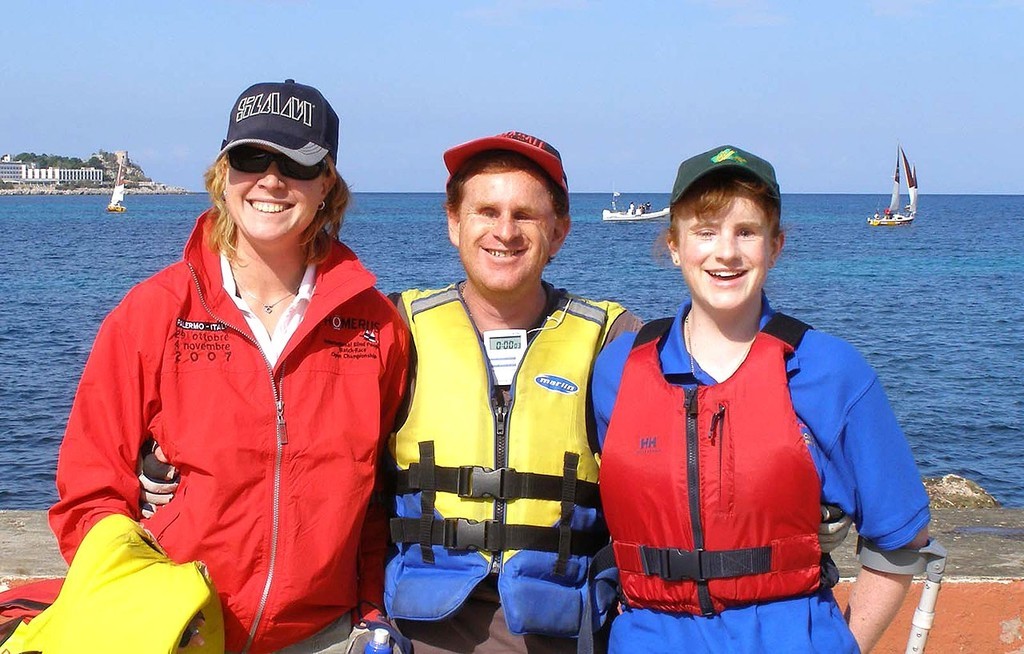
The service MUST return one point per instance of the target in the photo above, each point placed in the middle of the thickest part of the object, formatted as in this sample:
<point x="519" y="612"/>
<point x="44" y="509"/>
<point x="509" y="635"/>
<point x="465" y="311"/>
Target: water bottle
<point x="380" y="643"/>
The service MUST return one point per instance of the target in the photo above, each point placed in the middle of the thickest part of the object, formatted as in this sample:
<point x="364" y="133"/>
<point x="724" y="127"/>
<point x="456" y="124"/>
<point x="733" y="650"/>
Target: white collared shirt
<point x="272" y="344"/>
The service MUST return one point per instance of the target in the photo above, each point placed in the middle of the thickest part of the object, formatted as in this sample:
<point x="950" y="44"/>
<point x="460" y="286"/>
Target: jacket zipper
<point x="501" y="414"/>
<point x="281" y="441"/>
<point x="693" y="494"/>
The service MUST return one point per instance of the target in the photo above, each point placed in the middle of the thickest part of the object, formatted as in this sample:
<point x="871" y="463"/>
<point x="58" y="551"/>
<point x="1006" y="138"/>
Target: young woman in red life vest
<point x="723" y="429"/>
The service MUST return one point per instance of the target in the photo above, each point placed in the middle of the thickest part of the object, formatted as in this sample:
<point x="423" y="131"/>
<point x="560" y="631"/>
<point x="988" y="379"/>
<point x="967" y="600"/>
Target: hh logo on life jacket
<point x="648" y="444"/>
<point x="556" y="384"/>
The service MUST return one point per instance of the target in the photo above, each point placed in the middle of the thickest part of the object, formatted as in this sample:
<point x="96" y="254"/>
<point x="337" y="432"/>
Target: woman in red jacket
<point x="269" y="370"/>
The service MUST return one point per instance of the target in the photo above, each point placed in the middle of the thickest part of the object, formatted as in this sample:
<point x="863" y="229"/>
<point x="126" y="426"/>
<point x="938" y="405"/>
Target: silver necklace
<point x="688" y="342"/>
<point x="267" y="308"/>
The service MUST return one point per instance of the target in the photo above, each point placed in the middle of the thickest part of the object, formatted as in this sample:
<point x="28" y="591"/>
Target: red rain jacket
<point x="277" y="466"/>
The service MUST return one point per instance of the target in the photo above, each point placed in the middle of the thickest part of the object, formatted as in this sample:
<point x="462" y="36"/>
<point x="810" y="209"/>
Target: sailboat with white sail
<point x="892" y="215"/>
<point x="117" y="196"/>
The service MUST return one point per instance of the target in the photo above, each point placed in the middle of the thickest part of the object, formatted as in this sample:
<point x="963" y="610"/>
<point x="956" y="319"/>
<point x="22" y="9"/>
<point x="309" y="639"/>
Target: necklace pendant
<point x="268" y="308"/>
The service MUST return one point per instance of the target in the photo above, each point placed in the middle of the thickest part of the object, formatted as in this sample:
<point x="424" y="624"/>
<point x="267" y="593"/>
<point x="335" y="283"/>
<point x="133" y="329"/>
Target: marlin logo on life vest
<point x="556" y="384"/>
<point x="270" y="103"/>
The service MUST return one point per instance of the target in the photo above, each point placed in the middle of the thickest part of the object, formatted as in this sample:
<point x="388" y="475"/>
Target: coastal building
<point x="28" y="173"/>
<point x="11" y="171"/>
<point x="59" y="175"/>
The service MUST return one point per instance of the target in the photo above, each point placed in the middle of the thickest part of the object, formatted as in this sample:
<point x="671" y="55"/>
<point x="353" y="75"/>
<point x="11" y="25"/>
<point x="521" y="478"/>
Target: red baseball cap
<point x="531" y="147"/>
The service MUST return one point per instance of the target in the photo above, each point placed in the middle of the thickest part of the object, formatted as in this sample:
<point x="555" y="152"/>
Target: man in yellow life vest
<point x="496" y="507"/>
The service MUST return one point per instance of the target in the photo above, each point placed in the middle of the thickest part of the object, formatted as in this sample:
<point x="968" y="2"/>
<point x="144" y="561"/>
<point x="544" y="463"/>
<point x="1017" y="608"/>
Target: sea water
<point x="936" y="307"/>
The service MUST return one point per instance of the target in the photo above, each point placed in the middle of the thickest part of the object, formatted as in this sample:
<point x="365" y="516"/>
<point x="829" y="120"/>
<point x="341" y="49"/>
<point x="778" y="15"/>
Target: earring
<point x="323" y="204"/>
<point x="675" y="259"/>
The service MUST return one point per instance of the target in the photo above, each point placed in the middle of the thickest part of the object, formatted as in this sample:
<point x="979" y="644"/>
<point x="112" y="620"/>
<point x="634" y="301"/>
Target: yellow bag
<point x="123" y="594"/>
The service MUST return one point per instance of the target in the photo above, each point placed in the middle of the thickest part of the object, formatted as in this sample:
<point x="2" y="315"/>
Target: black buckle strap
<point x="427" y="497"/>
<point x="473" y="535"/>
<point x="569" y="463"/>
<point x="480" y="482"/>
<point x="493" y="536"/>
<point x="673" y="564"/>
<point x="477" y="482"/>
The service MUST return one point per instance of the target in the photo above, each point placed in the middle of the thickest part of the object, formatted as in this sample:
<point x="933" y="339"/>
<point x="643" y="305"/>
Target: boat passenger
<point x="722" y="429"/>
<point x="520" y="583"/>
<point x="269" y="369"/>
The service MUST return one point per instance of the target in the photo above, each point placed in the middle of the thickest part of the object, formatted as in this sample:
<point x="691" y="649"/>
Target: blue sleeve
<point x="863" y="457"/>
<point x="604" y="383"/>
<point x="891" y="503"/>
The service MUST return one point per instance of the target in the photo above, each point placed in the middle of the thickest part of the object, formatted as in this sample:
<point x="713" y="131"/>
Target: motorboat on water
<point x="633" y="213"/>
<point x="893" y="216"/>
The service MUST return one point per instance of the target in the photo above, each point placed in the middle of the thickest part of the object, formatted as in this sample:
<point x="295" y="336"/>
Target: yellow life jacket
<point x="490" y="482"/>
<point x="122" y="594"/>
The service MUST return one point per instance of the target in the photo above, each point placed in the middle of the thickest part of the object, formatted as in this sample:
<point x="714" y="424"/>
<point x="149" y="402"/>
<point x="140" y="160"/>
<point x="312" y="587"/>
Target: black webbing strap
<point x="829" y="576"/>
<point x="603" y="560"/>
<point x="494" y="536"/>
<point x="700" y="565"/>
<point x="786" y="328"/>
<point x="427" y="496"/>
<point x="569" y="463"/>
<point x="652" y="331"/>
<point x="500" y="484"/>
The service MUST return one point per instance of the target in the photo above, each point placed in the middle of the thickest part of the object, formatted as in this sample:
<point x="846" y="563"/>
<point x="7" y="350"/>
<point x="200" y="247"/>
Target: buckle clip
<point x="472" y="535"/>
<point x="479" y="482"/>
<point x="673" y="564"/>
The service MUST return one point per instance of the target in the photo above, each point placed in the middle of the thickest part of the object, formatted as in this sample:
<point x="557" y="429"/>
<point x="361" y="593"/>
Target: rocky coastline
<point x="146" y="189"/>
<point x="956" y="492"/>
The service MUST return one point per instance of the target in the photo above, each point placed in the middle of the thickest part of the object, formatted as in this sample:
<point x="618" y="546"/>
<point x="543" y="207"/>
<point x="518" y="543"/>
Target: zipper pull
<point x="691" y="402"/>
<point x="282" y="428"/>
<point x="500" y="412"/>
<point x="717" y="421"/>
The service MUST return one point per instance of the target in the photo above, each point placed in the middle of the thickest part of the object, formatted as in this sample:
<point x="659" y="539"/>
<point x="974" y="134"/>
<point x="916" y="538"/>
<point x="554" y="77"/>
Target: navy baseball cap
<point x="725" y="157"/>
<point x="536" y="150"/>
<point x="293" y="119"/>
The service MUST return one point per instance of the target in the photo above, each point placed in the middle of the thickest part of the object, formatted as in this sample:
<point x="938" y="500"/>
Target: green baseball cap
<point x="725" y="157"/>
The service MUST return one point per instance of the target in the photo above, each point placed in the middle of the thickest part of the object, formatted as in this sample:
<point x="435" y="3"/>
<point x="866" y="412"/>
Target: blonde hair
<point x="317" y="239"/>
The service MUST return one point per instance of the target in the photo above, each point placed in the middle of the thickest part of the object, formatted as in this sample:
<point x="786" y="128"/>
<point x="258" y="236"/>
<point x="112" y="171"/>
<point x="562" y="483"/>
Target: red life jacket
<point x="710" y="494"/>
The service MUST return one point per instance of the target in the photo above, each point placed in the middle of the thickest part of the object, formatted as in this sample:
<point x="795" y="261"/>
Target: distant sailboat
<point x="893" y="215"/>
<point x="117" y="196"/>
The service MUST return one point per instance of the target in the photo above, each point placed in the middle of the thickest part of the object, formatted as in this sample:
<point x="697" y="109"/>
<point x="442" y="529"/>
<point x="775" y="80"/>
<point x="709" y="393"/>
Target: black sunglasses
<point x="247" y="159"/>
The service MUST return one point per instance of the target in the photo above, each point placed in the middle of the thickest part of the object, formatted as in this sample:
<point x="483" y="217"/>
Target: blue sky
<point x="625" y="90"/>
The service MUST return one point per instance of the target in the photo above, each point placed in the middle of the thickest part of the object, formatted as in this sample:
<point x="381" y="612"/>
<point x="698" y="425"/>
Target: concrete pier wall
<point x="980" y="607"/>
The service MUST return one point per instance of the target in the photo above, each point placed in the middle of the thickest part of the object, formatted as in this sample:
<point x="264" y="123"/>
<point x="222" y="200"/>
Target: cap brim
<point x="456" y="157"/>
<point x="731" y="167"/>
<point x="308" y="155"/>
